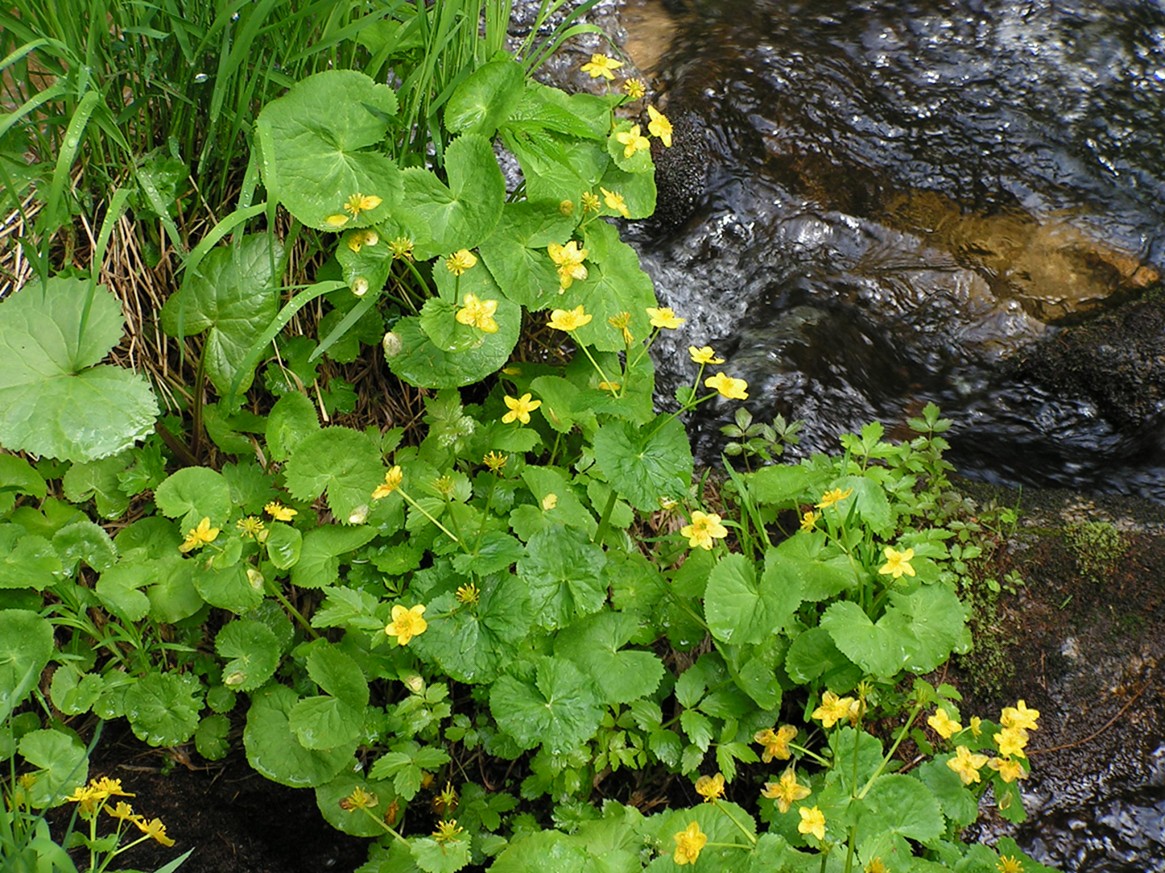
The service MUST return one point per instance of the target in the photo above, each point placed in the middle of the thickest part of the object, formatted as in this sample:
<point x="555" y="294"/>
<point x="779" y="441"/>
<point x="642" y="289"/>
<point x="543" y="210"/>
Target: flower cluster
<point x="91" y="799"/>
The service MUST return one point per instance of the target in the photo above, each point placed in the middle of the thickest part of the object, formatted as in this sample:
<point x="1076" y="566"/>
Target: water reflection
<point x="902" y="200"/>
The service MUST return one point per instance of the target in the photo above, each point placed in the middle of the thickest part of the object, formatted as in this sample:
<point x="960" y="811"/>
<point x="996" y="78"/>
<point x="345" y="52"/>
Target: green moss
<point x="1096" y="546"/>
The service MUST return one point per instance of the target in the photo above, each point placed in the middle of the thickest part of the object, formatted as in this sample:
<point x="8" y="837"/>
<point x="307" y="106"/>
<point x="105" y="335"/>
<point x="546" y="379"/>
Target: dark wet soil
<point x="1084" y="643"/>
<point x="233" y="818"/>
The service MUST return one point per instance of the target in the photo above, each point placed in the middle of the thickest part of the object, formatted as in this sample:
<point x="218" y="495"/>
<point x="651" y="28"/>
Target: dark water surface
<point x="899" y="202"/>
<point x="905" y="201"/>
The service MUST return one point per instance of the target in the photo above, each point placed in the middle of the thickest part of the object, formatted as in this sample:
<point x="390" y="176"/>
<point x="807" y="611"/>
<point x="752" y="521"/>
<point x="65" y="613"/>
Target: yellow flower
<point x="613" y="387"/>
<point x="601" y="65"/>
<point x="897" y="563"/>
<point x="633" y="141"/>
<point x="942" y="722"/>
<point x="460" y="261"/>
<point x="976" y="728"/>
<point x="835" y="496"/>
<point x="786" y="791"/>
<point x="198" y="537"/>
<point x="337" y="220"/>
<point x="520" y="408"/>
<point x="704" y="355"/>
<point x="468" y="594"/>
<point x="358" y="203"/>
<point x="614" y="200"/>
<point x="710" y="788"/>
<point x="733" y="389"/>
<point x="689" y="842"/>
<point x="569" y="319"/>
<point x="154" y="828"/>
<point x="392" y="480"/>
<point x="590" y="202"/>
<point x="478" y="313"/>
<point x="809" y="520"/>
<point x="251" y="527"/>
<point x="495" y="461"/>
<point x="1009" y="864"/>
<point x="812" y="822"/>
<point x="876" y="866"/>
<point x="406" y="623"/>
<point x="634" y="88"/>
<point x="1019" y="716"/>
<point x="665" y="318"/>
<point x="362" y="238"/>
<point x="776" y="742"/>
<point x="549" y="502"/>
<point x="621" y="322"/>
<point x="1011" y="742"/>
<point x="447" y="831"/>
<point x="569" y="259"/>
<point x="358" y="799"/>
<point x="1007" y="769"/>
<point x="123" y="811"/>
<point x="566" y="207"/>
<point x="279" y="512"/>
<point x="833" y="709"/>
<point x="967" y="765"/>
<point x="704" y="528"/>
<point x="659" y="126"/>
<point x="401" y="248"/>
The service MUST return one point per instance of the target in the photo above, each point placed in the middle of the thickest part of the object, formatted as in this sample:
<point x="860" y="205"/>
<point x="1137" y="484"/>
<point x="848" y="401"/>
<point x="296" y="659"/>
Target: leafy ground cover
<point x="515" y="625"/>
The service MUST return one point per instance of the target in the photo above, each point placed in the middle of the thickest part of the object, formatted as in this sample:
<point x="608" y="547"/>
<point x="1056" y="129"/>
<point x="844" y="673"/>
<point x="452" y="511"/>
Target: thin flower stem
<point x="606" y="517"/>
<point x="595" y="364"/>
<point x="748" y="836"/>
<point x="810" y="754"/>
<point x="890" y="753"/>
<point x="387" y="827"/>
<point x="428" y="515"/>
<point x="303" y="622"/>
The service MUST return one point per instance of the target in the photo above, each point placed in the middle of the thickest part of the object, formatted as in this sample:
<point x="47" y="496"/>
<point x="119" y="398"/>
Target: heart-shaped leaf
<point x="232" y="296"/>
<point x="318" y="149"/>
<point x="55" y="399"/>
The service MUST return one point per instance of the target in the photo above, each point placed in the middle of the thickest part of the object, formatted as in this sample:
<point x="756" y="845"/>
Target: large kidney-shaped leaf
<point x="55" y="399"/>
<point x="413" y="357"/>
<point x="516" y="253"/>
<point x="317" y="144"/>
<point x="461" y="215"/>
<point x="231" y="296"/>
<point x="485" y="100"/>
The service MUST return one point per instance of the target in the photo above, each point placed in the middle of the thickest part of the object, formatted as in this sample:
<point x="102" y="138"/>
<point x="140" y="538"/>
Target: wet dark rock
<point x="1084" y="643"/>
<point x="1117" y="361"/>
<point x="681" y="172"/>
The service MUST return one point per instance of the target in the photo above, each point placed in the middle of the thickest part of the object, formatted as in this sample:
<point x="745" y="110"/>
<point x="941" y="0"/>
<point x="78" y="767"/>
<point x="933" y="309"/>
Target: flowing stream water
<point x="872" y="205"/>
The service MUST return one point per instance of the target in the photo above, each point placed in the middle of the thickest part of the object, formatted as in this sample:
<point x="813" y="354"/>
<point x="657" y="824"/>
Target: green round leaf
<point x="195" y="493"/>
<point x="902" y="805"/>
<point x="559" y="709"/>
<point x="229" y="588"/>
<point x="292" y="418"/>
<point x="340" y="461"/>
<point x="50" y="339"/>
<point x="416" y="360"/>
<point x="254" y="652"/>
<point x="62" y="765"/>
<point x="318" y="145"/>
<point x="211" y="737"/>
<point x="26" y="644"/>
<point x="443" y="218"/>
<point x="274" y="751"/>
<point x="163" y="708"/>
<point x="485" y="100"/>
<point x="323" y="723"/>
<point x="564" y="573"/>
<point x="283" y="543"/>
<point x="232" y="296"/>
<point x="354" y="821"/>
